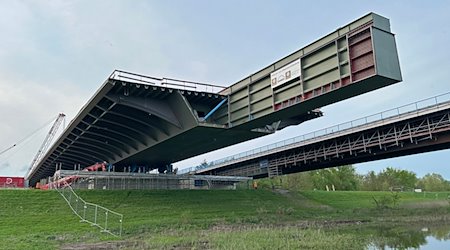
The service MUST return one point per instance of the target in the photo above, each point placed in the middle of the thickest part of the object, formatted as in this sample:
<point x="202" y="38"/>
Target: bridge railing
<point x="165" y="82"/>
<point x="416" y="107"/>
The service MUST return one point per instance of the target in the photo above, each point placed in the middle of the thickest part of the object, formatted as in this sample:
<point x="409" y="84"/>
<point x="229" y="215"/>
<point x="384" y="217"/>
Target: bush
<point x="386" y="202"/>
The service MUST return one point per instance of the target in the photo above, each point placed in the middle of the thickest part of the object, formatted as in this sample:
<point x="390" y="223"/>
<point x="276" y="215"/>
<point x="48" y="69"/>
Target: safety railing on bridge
<point x="418" y="107"/>
<point x="165" y="82"/>
<point x="107" y="220"/>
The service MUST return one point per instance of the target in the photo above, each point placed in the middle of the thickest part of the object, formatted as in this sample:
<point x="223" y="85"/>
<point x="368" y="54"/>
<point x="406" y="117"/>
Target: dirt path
<point x="105" y="245"/>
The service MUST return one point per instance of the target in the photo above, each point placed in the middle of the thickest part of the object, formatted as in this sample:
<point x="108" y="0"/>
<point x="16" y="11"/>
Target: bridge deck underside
<point x="127" y="121"/>
<point x="134" y="125"/>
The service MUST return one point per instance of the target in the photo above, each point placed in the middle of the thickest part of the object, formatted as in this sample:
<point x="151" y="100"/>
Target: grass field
<point x="364" y="199"/>
<point x="205" y="219"/>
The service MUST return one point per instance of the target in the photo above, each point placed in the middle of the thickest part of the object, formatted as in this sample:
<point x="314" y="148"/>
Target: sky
<point x="54" y="55"/>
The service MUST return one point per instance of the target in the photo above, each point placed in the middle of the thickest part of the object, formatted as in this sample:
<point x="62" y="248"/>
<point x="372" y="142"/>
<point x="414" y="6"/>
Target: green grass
<point x="204" y="219"/>
<point x="33" y="219"/>
<point x="364" y="199"/>
<point x="257" y="238"/>
<point x="199" y="208"/>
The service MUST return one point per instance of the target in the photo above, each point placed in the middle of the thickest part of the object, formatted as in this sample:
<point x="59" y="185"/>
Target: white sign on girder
<point x="285" y="74"/>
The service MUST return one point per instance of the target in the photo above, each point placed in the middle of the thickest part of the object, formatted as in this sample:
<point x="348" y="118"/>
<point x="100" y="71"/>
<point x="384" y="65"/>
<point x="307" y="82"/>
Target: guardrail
<point x="165" y="82"/>
<point x="107" y="220"/>
<point x="415" y="107"/>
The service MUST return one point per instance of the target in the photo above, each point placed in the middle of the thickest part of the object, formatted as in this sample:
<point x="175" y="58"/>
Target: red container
<point x="11" y="182"/>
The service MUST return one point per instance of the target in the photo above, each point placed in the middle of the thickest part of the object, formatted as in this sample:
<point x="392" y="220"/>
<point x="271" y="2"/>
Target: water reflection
<point x="409" y="237"/>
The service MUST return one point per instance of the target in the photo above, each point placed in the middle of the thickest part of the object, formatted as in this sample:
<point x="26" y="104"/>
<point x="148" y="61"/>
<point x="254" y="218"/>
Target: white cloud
<point x="26" y="106"/>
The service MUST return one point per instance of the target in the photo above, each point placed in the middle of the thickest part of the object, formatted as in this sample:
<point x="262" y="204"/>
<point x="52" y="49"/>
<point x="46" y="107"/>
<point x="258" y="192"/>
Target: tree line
<point x="346" y="178"/>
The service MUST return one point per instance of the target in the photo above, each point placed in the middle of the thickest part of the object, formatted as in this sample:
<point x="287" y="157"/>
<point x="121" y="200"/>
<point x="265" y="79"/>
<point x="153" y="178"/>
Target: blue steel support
<point x="214" y="109"/>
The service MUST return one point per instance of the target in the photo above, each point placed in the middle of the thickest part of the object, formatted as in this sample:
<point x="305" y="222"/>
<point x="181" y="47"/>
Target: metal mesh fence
<point x="106" y="219"/>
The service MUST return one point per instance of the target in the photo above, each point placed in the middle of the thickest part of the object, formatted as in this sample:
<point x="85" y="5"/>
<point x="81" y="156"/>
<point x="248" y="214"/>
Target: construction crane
<point x="45" y="144"/>
<point x="6" y="150"/>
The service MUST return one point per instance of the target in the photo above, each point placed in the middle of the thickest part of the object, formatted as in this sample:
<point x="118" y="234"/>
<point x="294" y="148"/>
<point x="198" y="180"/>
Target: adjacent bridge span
<point x="415" y="128"/>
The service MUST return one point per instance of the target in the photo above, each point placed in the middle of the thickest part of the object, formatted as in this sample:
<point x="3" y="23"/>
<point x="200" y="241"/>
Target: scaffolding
<point x="145" y="181"/>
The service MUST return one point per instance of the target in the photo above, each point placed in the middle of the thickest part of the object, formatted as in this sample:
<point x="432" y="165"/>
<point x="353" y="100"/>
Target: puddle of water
<point x="408" y="237"/>
<point x="433" y="243"/>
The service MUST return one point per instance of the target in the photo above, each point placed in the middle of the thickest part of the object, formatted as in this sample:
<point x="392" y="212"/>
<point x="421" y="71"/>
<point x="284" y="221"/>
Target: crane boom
<point x="6" y="150"/>
<point x="46" y="143"/>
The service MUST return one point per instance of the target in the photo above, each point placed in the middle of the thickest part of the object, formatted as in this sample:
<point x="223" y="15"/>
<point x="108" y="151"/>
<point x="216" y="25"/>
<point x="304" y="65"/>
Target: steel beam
<point x="92" y="145"/>
<point x="101" y="143"/>
<point x="86" y="150"/>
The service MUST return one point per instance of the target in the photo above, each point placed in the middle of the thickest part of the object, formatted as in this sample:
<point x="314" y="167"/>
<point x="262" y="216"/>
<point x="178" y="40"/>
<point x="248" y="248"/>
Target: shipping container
<point x="12" y="182"/>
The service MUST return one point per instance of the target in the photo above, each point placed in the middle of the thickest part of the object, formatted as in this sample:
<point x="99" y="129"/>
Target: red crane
<point x="68" y="180"/>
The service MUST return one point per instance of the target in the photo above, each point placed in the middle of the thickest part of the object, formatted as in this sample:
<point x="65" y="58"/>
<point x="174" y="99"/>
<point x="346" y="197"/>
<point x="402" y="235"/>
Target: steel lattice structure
<point x="417" y="131"/>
